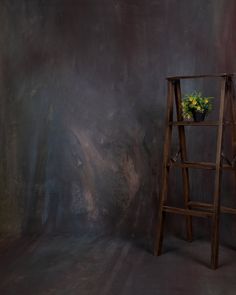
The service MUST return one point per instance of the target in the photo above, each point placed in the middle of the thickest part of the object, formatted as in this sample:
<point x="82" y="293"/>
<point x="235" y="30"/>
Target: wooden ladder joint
<point x="175" y="157"/>
<point x="223" y="156"/>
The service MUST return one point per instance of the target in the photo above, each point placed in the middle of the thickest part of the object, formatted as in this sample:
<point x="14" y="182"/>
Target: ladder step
<point x="192" y="123"/>
<point x="200" y="205"/>
<point x="199" y="165"/>
<point x="188" y="212"/>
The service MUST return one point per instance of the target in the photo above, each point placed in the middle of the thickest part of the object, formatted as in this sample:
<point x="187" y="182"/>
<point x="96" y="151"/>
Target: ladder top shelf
<point x="202" y="76"/>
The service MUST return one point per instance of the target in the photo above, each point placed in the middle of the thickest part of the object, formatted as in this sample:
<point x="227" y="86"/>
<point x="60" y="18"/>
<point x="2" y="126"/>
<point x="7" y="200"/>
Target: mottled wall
<point x="82" y="105"/>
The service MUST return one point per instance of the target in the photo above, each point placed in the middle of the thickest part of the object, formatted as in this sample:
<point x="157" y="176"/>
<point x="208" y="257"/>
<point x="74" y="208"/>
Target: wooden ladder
<point x="192" y="208"/>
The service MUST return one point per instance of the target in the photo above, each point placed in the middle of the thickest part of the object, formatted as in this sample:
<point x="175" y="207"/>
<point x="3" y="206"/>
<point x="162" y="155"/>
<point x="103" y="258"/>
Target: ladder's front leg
<point x="165" y="169"/>
<point x="161" y="215"/>
<point x="183" y="155"/>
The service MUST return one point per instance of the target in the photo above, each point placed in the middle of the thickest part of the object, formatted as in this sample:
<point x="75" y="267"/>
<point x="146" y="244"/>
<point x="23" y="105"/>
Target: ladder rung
<point x="192" y="123"/>
<point x="188" y="212"/>
<point x="200" y="205"/>
<point x="227" y="210"/>
<point x="200" y="165"/>
<point x="229" y="123"/>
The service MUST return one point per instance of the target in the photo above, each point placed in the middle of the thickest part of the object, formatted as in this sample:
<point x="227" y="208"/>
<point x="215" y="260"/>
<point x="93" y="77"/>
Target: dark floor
<point x="104" y="265"/>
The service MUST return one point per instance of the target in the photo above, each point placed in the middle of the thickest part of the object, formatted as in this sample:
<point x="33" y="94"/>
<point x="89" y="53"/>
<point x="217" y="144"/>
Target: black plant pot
<point x="199" y="116"/>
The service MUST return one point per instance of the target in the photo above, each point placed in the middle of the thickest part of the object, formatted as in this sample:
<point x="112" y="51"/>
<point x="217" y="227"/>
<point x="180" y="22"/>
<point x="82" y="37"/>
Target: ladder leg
<point x="160" y="232"/>
<point x="232" y="103"/>
<point x="217" y="188"/>
<point x="183" y="155"/>
<point x="165" y="171"/>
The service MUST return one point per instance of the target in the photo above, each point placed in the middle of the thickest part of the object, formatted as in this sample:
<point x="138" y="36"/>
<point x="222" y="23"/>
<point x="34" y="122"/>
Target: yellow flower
<point x="190" y="98"/>
<point x="206" y="100"/>
<point x="194" y="102"/>
<point x="199" y="108"/>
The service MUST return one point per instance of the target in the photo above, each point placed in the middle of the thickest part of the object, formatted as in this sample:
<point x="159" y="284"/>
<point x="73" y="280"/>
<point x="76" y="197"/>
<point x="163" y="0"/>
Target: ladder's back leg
<point x="217" y="185"/>
<point x="165" y="170"/>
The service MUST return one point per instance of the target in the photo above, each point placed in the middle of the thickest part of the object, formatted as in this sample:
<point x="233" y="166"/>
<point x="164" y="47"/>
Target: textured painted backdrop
<point x="82" y="96"/>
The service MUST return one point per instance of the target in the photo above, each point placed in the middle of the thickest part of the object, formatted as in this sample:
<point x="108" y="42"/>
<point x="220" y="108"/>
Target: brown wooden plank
<point x="183" y="156"/>
<point x="165" y="169"/>
<point x="217" y="186"/>
<point x="187" y="212"/>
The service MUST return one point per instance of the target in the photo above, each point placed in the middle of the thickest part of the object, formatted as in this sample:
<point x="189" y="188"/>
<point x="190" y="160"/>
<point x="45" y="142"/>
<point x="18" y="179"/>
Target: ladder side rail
<point x="183" y="156"/>
<point x="165" y="169"/>
<point x="218" y="174"/>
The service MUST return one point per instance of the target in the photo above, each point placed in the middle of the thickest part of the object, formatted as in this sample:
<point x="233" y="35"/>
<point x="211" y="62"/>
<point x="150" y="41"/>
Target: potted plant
<point x="196" y="106"/>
